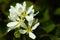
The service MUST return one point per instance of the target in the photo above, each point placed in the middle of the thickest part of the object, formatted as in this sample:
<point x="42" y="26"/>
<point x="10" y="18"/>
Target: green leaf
<point x="46" y="16"/>
<point x="4" y="1"/>
<point x="17" y="34"/>
<point x="48" y="26"/>
<point x="54" y="38"/>
<point x="36" y="7"/>
<point x="3" y="28"/>
<point x="57" y="11"/>
<point x="2" y="39"/>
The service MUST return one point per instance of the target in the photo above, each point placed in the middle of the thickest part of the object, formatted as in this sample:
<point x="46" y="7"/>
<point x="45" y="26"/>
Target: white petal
<point x="31" y="35"/>
<point x="9" y="29"/>
<point x="31" y="16"/>
<point x="23" y="25"/>
<point x="24" y="6"/>
<point x="36" y="13"/>
<point x="13" y="17"/>
<point x="32" y="11"/>
<point x="18" y="6"/>
<point x="29" y="9"/>
<point x="30" y="20"/>
<point x="13" y="14"/>
<point x="35" y="26"/>
<point x="19" y="24"/>
<point x="30" y="23"/>
<point x="12" y="9"/>
<point x="12" y="24"/>
<point x="22" y="31"/>
<point x="36" y="21"/>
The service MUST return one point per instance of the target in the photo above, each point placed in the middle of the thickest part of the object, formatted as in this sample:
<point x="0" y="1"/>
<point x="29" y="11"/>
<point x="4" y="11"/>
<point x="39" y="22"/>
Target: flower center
<point x="28" y="29"/>
<point x="19" y="21"/>
<point x="23" y="14"/>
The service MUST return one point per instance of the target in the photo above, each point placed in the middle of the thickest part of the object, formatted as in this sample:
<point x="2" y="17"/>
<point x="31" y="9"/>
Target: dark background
<point x="49" y="18"/>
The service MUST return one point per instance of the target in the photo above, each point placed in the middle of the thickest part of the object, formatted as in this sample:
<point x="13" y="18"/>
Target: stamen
<point x="28" y="29"/>
<point x="24" y="14"/>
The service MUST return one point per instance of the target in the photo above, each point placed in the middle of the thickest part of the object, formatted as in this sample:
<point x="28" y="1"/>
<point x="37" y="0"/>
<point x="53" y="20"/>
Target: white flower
<point x="18" y="14"/>
<point x="16" y="20"/>
<point x="21" y="11"/>
<point x="14" y="24"/>
<point x="29" y="29"/>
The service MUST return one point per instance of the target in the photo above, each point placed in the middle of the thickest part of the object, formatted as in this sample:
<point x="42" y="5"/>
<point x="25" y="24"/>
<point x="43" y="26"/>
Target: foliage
<point x="49" y="28"/>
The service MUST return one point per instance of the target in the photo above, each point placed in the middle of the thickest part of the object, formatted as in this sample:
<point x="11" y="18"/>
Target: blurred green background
<point x="49" y="18"/>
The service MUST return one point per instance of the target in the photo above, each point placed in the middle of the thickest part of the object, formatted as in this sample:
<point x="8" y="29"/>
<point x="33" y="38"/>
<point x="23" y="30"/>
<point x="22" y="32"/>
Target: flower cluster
<point x="18" y="16"/>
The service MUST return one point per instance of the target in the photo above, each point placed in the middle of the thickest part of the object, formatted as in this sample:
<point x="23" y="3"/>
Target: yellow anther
<point x="28" y="29"/>
<point x="23" y="14"/>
